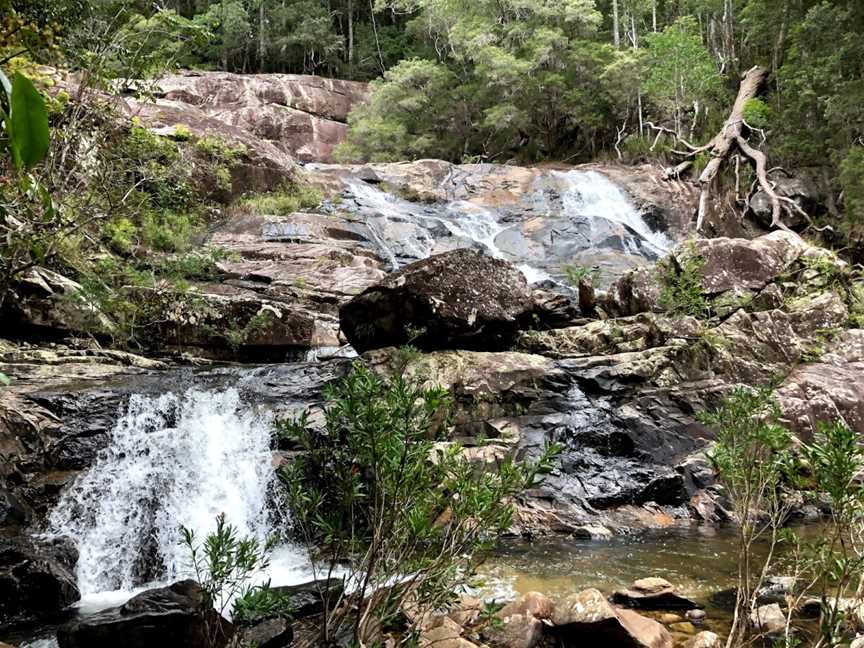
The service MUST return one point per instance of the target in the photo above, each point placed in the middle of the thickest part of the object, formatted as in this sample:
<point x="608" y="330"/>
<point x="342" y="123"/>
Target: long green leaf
<point x="28" y="123"/>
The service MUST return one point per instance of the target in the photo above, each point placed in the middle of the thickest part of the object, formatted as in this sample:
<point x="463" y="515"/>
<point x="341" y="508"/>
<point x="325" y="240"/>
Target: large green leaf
<point x="27" y="125"/>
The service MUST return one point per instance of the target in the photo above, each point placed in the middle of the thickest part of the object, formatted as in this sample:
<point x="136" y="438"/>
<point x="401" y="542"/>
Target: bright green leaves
<point x="26" y="122"/>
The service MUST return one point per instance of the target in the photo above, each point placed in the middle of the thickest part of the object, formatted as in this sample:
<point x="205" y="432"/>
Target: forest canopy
<point x="529" y="80"/>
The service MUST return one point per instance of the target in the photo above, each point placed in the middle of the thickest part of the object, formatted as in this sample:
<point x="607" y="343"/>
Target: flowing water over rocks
<point x="171" y="460"/>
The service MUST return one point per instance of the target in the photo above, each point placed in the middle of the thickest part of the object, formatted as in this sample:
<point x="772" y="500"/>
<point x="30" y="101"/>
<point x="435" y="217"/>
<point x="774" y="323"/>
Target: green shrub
<point x="169" y="231"/>
<point x="121" y="234"/>
<point x="757" y="113"/>
<point x="378" y="497"/>
<point x="224" y="566"/>
<point x="682" y="292"/>
<point x="284" y="201"/>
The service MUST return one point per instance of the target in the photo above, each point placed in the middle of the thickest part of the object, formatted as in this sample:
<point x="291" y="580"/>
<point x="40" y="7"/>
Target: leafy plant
<point x="377" y="496"/>
<point x="579" y="274"/>
<point x="26" y="121"/>
<point x="682" y="292"/>
<point x="752" y="457"/>
<point x="224" y="566"/>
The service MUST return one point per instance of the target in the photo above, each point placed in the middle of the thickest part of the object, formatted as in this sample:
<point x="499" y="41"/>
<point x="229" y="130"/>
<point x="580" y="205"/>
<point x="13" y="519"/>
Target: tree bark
<point x="616" y="36"/>
<point x="731" y="140"/>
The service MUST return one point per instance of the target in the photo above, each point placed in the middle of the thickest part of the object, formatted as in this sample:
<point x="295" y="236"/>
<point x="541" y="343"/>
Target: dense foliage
<point x="382" y="499"/>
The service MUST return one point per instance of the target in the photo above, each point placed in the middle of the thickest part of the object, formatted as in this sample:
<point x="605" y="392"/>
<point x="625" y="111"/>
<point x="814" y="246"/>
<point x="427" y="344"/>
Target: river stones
<point x="768" y="619"/>
<point x="652" y="594"/>
<point x="36" y="579"/>
<point x="168" y="617"/>
<point x="462" y="299"/>
<point x="704" y="640"/>
<point x="588" y="619"/>
<point x="521" y="622"/>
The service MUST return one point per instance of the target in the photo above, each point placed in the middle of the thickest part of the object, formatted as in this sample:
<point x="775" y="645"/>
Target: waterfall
<point x="575" y="217"/>
<point x="594" y="196"/>
<point x="171" y="460"/>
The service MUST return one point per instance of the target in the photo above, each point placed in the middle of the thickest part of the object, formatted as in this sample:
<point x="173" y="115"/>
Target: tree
<point x="377" y="496"/>
<point x="752" y="458"/>
<point x="680" y="76"/>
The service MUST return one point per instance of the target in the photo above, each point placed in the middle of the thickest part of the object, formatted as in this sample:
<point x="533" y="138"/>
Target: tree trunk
<point x="731" y="140"/>
<point x="654" y="16"/>
<point x="616" y="35"/>
<point x="351" y="32"/>
<point x="261" y="42"/>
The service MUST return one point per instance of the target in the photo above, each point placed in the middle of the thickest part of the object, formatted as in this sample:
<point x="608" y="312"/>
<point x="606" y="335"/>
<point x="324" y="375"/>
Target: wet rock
<point x="768" y="619"/>
<point x="307" y="599"/>
<point x="683" y="627"/>
<point x="37" y="579"/>
<point x="652" y="594"/>
<point x="704" y="639"/>
<point x="587" y="618"/>
<point x="697" y="616"/>
<point x="269" y="633"/>
<point x="776" y="589"/>
<point x="169" y="617"/>
<point x="460" y="299"/>
<point x="743" y="264"/>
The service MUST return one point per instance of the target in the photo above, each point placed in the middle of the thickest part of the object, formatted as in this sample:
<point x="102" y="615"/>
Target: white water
<point x="584" y="208"/>
<point x="593" y="195"/>
<point x="172" y="460"/>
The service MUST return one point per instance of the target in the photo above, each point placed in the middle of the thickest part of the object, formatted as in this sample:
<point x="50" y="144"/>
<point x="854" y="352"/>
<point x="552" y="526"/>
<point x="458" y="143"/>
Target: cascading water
<point x="575" y="217"/>
<point x="172" y="460"/>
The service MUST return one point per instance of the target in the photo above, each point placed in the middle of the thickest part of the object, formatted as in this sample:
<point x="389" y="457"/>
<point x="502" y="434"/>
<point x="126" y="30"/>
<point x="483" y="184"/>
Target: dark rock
<point x="307" y="599"/>
<point x="36" y="578"/>
<point x="460" y="299"/>
<point x="802" y="190"/>
<point x="652" y="594"/>
<point x="168" y="617"/>
<point x="556" y="311"/>
<point x="268" y="633"/>
<point x="43" y="300"/>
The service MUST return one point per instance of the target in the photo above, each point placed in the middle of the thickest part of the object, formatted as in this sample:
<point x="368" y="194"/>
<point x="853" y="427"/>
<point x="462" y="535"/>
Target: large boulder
<point x="168" y="617"/>
<point x="737" y="264"/>
<point x="587" y="619"/>
<point x="36" y="579"/>
<point x="460" y="299"/>
<point x="46" y="300"/>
